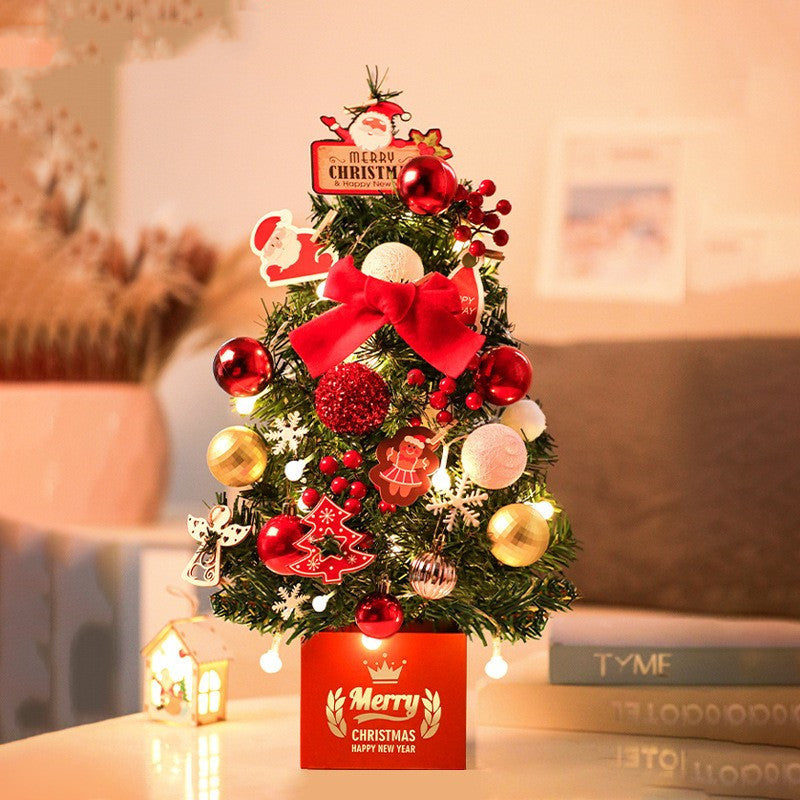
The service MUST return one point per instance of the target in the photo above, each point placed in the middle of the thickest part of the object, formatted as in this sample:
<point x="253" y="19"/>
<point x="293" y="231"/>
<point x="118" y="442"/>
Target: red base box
<point x="402" y="706"/>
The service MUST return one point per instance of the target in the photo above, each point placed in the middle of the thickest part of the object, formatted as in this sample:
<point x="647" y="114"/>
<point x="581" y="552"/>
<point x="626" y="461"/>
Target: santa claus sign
<point x="288" y="254"/>
<point x="367" y="155"/>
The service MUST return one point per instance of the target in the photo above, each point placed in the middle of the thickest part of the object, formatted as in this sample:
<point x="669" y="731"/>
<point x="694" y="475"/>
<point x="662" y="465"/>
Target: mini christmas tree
<point x="395" y="467"/>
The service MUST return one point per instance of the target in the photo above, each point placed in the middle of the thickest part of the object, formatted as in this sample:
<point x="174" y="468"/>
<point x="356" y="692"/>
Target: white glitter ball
<point x="494" y="456"/>
<point x="526" y="418"/>
<point x="394" y="262"/>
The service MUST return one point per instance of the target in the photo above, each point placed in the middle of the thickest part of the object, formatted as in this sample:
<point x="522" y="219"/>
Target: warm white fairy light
<point x="440" y="480"/>
<point x="271" y="662"/>
<point x="294" y="469"/>
<point x="370" y="643"/>
<point x="496" y="667"/>
<point x="245" y="405"/>
<point x="321" y="290"/>
<point x="320" y="602"/>
<point x="545" y="508"/>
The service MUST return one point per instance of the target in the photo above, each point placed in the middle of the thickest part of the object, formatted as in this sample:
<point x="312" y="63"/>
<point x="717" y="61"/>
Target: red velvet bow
<point x="423" y="315"/>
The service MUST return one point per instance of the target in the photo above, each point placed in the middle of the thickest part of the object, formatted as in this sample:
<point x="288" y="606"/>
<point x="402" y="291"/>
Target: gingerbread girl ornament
<point x="405" y="465"/>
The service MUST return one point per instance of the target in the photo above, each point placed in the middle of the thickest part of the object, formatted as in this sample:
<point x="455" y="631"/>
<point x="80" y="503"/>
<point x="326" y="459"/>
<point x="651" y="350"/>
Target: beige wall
<point x="220" y="134"/>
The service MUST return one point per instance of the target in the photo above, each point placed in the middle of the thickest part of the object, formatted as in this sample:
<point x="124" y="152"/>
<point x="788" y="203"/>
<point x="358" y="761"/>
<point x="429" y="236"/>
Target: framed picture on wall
<point x="614" y="227"/>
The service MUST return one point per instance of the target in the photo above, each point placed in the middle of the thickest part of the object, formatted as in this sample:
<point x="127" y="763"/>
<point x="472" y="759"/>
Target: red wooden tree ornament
<point x="327" y="520"/>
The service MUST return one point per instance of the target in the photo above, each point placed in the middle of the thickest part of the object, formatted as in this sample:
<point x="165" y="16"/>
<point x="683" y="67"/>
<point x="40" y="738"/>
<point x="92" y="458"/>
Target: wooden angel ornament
<point x="212" y="534"/>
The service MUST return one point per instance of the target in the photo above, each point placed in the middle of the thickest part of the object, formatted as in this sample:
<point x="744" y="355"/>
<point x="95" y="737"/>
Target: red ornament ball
<point x="352" y="459"/>
<point x="461" y="233"/>
<point x="339" y="484"/>
<point x="444" y="417"/>
<point x="243" y="367"/>
<point x="503" y="207"/>
<point x="379" y="615"/>
<point x="310" y="497"/>
<point x="358" y="490"/>
<point x="447" y="385"/>
<point x="386" y="508"/>
<point x="487" y="188"/>
<point x="504" y="375"/>
<point x="475" y="199"/>
<point x="439" y="400"/>
<point x="276" y="542"/>
<point x="415" y="421"/>
<point x="415" y="377"/>
<point x="328" y="465"/>
<point x="477" y="249"/>
<point x="473" y="401"/>
<point x="427" y="185"/>
<point x="500" y="238"/>
<point x="472" y="364"/>
<point x="352" y="399"/>
<point x="352" y="505"/>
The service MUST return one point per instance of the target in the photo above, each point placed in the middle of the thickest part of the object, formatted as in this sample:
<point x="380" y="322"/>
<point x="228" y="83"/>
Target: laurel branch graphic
<point x="334" y="711"/>
<point x="432" y="715"/>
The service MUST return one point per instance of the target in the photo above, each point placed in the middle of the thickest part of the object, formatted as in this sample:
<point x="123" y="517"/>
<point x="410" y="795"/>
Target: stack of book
<point x="657" y="674"/>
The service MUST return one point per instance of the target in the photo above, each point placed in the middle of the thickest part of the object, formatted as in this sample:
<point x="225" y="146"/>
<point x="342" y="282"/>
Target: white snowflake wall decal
<point x="459" y="502"/>
<point x="286" y="434"/>
<point x="290" y="603"/>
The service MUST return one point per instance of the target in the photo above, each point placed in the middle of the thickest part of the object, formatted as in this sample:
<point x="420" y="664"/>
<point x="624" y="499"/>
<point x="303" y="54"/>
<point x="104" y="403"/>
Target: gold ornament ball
<point x="519" y="534"/>
<point x="432" y="576"/>
<point x="237" y="456"/>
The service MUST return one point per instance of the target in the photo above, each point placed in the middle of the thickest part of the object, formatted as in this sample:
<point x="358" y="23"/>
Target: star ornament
<point x="212" y="535"/>
<point x="429" y="144"/>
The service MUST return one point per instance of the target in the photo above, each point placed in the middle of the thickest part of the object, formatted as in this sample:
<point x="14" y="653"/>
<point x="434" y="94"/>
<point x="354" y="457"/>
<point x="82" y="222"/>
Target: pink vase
<point x="81" y="453"/>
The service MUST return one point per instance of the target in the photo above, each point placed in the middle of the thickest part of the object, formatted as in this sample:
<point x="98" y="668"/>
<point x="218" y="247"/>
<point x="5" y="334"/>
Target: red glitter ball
<point x="352" y="398"/>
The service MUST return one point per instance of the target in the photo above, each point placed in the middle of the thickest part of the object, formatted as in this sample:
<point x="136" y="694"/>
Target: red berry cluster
<point x="474" y="400"/>
<point x="477" y="220"/>
<point x="356" y="490"/>
<point x="441" y="398"/>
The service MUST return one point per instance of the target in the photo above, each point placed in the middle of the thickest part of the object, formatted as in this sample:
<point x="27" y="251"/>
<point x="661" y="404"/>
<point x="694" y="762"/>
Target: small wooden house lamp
<point x="186" y="672"/>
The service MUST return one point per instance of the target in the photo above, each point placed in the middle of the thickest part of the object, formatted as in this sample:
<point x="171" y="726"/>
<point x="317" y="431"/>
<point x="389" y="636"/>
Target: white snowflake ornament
<point x="290" y="603"/>
<point x="286" y="434"/>
<point x="459" y="502"/>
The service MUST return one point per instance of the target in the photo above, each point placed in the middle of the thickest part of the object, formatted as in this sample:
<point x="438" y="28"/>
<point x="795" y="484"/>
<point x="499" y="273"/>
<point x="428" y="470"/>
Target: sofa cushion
<point x="679" y="466"/>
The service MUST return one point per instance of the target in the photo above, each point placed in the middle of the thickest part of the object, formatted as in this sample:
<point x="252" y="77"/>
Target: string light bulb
<point x="496" y="667"/>
<point x="294" y="469"/>
<point x="440" y="480"/>
<point x="545" y="508"/>
<point x="321" y="290"/>
<point x="320" y="602"/>
<point x="370" y="643"/>
<point x="245" y="405"/>
<point x="271" y="662"/>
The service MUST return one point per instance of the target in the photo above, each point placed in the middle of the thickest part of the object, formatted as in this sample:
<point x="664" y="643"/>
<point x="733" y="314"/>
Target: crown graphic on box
<point x="384" y="673"/>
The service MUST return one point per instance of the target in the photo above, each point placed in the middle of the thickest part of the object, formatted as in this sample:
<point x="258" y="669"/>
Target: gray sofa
<point x="679" y="464"/>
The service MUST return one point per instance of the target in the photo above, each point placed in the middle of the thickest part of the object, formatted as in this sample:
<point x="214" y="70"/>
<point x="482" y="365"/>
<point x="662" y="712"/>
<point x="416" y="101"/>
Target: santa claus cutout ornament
<point x="405" y="465"/>
<point x="288" y="254"/>
<point x="367" y="155"/>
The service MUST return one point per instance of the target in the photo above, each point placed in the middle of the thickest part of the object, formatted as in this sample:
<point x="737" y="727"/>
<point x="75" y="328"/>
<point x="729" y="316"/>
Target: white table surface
<point x="258" y="755"/>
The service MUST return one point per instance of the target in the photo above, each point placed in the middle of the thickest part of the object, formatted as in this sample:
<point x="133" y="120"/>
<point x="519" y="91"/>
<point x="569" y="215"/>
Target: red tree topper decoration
<point x="327" y="519"/>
